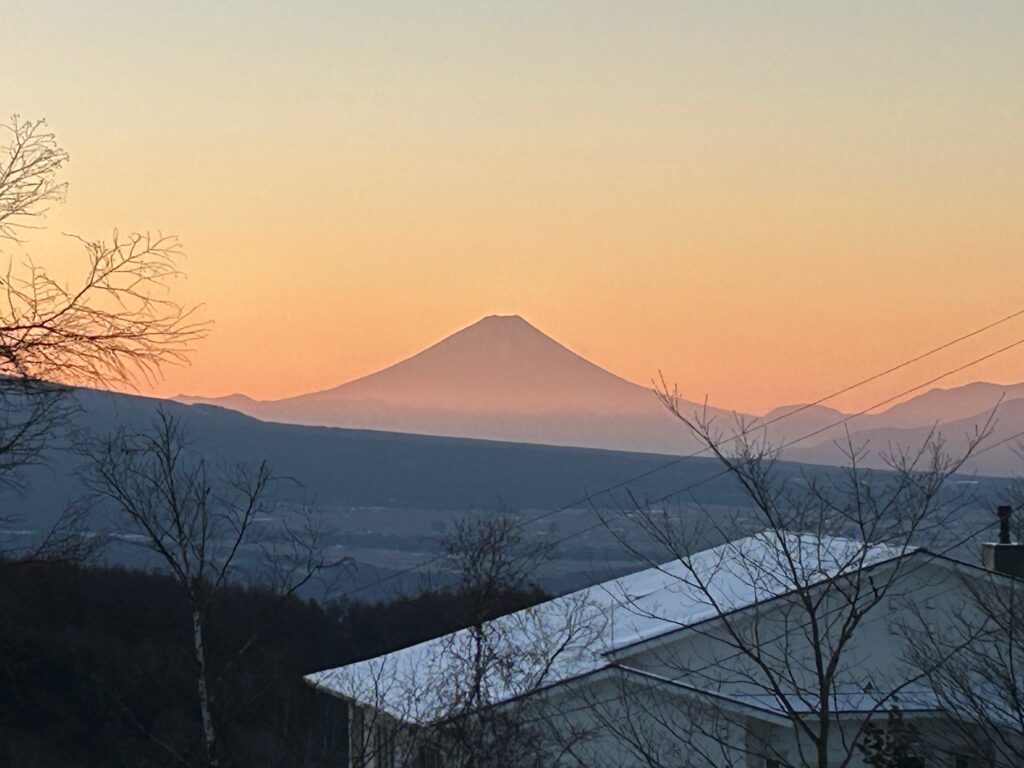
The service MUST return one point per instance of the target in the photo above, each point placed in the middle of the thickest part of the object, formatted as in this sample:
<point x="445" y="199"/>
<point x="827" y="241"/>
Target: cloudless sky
<point x="763" y="200"/>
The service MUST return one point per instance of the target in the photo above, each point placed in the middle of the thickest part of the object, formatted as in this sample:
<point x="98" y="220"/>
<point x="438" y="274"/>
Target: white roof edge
<point x="671" y="632"/>
<point x="669" y="604"/>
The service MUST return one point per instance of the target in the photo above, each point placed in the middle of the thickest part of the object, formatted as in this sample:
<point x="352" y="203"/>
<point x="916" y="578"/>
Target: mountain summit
<point x="498" y="364"/>
<point x="499" y="378"/>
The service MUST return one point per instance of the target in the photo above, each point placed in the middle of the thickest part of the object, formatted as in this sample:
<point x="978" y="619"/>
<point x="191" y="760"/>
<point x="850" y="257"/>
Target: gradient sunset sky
<point x="764" y="200"/>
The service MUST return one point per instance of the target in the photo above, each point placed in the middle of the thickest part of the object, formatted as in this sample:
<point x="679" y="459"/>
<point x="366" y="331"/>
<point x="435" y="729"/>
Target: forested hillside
<point x="96" y="668"/>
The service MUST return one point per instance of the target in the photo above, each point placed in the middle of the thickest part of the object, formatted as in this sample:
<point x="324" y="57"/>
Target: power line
<point x="809" y="435"/>
<point x="590" y="497"/>
<point x="895" y="368"/>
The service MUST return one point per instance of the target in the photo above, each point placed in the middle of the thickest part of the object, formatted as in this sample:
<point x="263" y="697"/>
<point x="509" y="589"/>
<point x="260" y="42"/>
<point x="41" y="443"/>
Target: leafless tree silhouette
<point x="469" y="701"/>
<point x="973" y="662"/>
<point x="111" y="326"/>
<point x="828" y="555"/>
<point x="205" y="526"/>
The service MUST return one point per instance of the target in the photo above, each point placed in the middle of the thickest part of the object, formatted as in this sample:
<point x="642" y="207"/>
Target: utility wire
<point x="897" y="367"/>
<point x="591" y="496"/>
<point x="727" y="470"/>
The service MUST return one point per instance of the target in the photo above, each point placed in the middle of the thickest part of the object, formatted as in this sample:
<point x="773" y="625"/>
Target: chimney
<point x="1004" y="556"/>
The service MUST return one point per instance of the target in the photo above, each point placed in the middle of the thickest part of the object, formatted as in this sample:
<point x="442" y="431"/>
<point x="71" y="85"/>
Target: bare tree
<point x="467" y="696"/>
<point x="973" y="662"/>
<point x="28" y="178"/>
<point x="829" y="552"/>
<point x="204" y="526"/>
<point x="492" y="558"/>
<point x="894" y="745"/>
<point x="110" y="327"/>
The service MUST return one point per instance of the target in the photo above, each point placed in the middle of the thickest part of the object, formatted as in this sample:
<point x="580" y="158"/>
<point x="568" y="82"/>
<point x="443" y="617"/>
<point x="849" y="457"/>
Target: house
<point x="771" y="650"/>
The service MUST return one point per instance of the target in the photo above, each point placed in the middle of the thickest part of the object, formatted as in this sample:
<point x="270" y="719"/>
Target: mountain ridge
<point x="499" y="378"/>
<point x="499" y="363"/>
<point x="503" y="379"/>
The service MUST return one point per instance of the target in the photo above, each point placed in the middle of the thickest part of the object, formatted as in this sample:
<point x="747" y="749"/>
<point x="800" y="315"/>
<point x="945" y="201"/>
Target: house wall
<point x="611" y="721"/>
<point x="625" y="724"/>
<point x="717" y="734"/>
<point x="614" y="718"/>
<point x="938" y="743"/>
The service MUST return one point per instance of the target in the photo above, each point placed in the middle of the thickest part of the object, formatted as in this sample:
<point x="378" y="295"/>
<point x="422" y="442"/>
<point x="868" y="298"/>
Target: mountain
<point x="956" y="414"/>
<point x="995" y="456"/>
<point x="499" y="379"/>
<point x="500" y="364"/>
<point x="938" y="406"/>
<point x="503" y="379"/>
<point x="792" y="422"/>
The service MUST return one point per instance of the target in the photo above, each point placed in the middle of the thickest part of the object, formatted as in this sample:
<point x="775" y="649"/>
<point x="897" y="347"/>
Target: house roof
<point x="578" y="633"/>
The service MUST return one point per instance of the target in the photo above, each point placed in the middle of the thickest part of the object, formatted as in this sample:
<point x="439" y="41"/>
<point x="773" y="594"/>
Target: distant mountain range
<point x="336" y="468"/>
<point x="503" y="379"/>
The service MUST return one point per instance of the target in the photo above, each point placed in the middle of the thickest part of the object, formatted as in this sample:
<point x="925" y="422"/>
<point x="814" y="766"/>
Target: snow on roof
<point x="574" y="634"/>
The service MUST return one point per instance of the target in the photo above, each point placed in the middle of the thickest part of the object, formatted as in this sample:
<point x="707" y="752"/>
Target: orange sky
<point x="765" y="201"/>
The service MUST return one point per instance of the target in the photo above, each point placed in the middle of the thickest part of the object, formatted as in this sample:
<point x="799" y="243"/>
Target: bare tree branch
<point x="200" y="523"/>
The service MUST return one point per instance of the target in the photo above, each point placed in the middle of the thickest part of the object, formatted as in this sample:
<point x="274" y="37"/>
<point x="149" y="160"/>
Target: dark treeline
<point x="96" y="670"/>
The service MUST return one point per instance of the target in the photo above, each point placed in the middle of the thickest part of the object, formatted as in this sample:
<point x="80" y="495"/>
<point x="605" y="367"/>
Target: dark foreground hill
<point x="342" y="467"/>
<point x="387" y="497"/>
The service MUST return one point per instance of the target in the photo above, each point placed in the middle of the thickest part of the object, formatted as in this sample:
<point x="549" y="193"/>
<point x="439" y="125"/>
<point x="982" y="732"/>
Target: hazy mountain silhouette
<point x="946" y="405"/>
<point x="793" y="422"/>
<point x="995" y="456"/>
<point x="503" y="379"/>
<point x="498" y="364"/>
<point x="499" y="379"/>
<point x="956" y="414"/>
